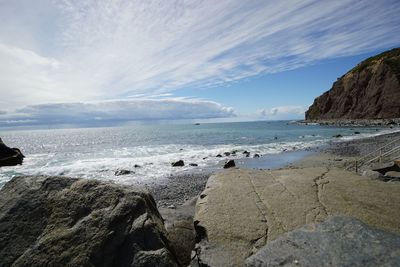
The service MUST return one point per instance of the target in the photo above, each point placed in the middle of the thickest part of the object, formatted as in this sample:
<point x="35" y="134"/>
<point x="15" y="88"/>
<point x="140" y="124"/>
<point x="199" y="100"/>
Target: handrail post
<point x="364" y="160"/>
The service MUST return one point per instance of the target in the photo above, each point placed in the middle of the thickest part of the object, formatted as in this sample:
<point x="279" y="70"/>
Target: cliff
<point x="371" y="90"/>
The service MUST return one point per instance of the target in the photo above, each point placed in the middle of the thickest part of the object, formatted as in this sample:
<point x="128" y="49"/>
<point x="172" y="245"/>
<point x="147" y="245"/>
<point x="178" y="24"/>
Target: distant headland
<point x="369" y="91"/>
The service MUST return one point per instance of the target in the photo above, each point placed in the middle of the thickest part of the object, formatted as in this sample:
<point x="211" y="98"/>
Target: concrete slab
<point x="242" y="210"/>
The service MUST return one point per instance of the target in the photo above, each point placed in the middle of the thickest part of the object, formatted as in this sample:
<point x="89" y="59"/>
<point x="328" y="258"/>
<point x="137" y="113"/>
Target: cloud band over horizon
<point x="117" y="111"/>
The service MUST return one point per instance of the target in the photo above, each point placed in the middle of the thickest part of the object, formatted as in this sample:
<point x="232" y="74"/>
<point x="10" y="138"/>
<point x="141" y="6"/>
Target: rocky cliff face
<point x="371" y="90"/>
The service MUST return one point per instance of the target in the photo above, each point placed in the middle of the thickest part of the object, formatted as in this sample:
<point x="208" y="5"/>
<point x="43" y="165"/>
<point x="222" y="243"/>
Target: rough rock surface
<point x="181" y="233"/>
<point x="369" y="91"/>
<point x="339" y="241"/>
<point x="240" y="210"/>
<point x="55" y="221"/>
<point x="10" y="156"/>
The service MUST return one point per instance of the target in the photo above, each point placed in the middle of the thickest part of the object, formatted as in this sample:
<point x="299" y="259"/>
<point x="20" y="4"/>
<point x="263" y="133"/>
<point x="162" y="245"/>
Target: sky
<point x="101" y="61"/>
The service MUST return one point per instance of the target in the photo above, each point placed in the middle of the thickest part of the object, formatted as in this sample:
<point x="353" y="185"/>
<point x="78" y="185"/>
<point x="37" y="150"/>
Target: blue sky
<point x="293" y="88"/>
<point x="85" y="61"/>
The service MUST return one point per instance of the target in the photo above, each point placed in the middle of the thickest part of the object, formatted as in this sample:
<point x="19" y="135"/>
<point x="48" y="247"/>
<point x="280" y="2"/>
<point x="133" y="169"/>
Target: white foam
<point x="155" y="161"/>
<point x="367" y="135"/>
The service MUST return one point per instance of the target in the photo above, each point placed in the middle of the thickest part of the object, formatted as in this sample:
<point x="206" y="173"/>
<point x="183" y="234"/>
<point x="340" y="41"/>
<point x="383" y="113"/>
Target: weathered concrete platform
<point x="242" y="210"/>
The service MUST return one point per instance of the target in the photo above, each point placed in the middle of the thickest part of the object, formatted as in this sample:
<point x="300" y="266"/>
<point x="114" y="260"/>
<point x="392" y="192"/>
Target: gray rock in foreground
<point x="53" y="221"/>
<point x="180" y="228"/>
<point x="339" y="241"/>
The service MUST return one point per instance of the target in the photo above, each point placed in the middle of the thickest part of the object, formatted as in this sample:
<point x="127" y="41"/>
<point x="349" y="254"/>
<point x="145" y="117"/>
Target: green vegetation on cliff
<point x="391" y="58"/>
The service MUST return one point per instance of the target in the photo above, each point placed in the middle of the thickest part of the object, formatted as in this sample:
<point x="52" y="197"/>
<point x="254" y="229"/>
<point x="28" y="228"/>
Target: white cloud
<point x="283" y="112"/>
<point x="117" y="111"/>
<point x="27" y="77"/>
<point x="83" y="50"/>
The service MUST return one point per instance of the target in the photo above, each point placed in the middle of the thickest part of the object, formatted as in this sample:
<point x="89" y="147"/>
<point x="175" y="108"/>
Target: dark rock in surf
<point x="256" y="156"/>
<point x="122" y="172"/>
<point x="10" y="156"/>
<point x="179" y="163"/>
<point x="229" y="164"/>
<point x="246" y="153"/>
<point x="193" y="164"/>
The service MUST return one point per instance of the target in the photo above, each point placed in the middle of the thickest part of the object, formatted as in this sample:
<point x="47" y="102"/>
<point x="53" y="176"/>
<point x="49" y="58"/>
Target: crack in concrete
<point x="319" y="186"/>
<point x="273" y="214"/>
<point x="283" y="185"/>
<point x="260" y="206"/>
<point x="253" y="241"/>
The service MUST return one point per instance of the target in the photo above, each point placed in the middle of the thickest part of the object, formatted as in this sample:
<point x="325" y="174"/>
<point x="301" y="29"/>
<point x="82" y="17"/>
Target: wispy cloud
<point x="80" y="50"/>
<point x="282" y="112"/>
<point x="116" y="111"/>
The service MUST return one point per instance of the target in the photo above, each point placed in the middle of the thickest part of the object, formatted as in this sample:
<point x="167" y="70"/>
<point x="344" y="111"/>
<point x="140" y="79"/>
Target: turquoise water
<point x="98" y="152"/>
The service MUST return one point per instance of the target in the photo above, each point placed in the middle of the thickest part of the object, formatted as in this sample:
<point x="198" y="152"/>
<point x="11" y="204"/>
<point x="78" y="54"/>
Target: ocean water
<point x="99" y="152"/>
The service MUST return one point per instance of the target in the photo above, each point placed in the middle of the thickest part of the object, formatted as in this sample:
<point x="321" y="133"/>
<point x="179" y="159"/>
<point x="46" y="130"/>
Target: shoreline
<point x="353" y="122"/>
<point x="341" y="154"/>
<point x="146" y="163"/>
<point x="177" y="189"/>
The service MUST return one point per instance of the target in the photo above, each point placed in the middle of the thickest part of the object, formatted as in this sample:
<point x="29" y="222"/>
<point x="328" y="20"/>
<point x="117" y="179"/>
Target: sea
<point x="148" y="150"/>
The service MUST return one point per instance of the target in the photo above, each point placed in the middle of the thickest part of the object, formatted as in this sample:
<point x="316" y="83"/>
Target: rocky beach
<point x="177" y="189"/>
<point x="199" y="220"/>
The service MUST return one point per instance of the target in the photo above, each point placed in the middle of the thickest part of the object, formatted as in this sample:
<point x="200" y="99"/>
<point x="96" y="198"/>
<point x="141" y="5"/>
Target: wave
<point x="154" y="161"/>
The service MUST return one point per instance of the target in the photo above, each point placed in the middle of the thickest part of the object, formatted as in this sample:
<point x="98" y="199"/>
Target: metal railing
<point x="379" y="154"/>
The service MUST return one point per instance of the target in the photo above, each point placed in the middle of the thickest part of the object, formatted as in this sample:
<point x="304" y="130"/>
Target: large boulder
<point x="55" y="221"/>
<point x="339" y="241"/>
<point x="10" y="156"/>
